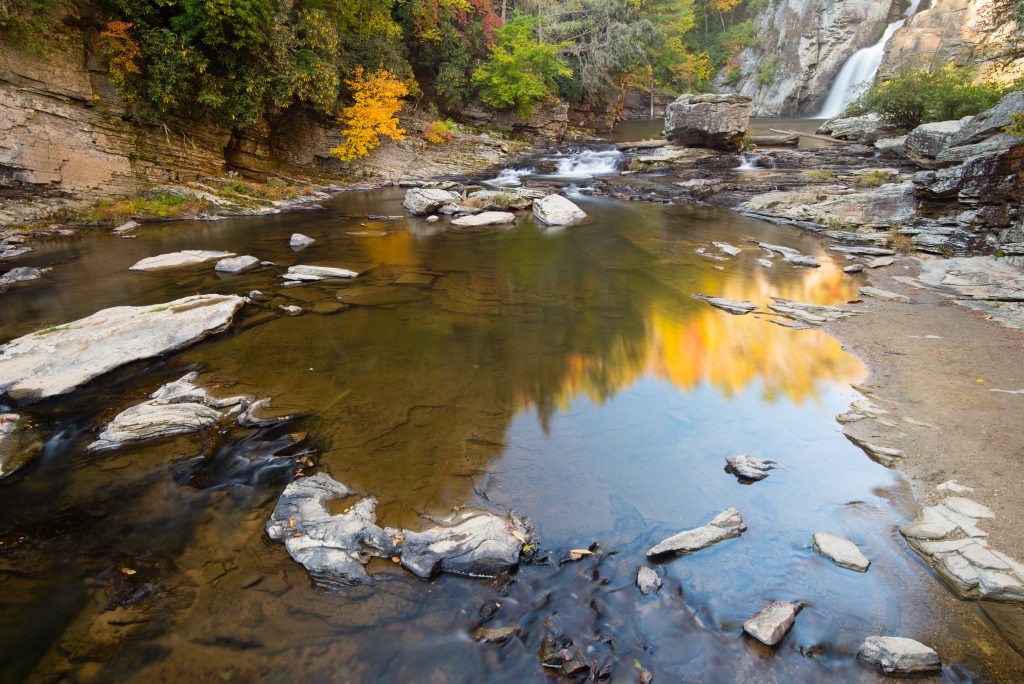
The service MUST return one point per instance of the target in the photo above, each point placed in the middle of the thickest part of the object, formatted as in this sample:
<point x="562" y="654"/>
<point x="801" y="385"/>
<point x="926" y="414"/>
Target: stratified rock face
<point x="807" y="47"/>
<point x="555" y="210"/>
<point x="899" y="655"/>
<point x="57" y="360"/>
<point x="725" y="525"/>
<point x="773" y="622"/>
<point x="881" y="207"/>
<point x="549" y="120"/>
<point x="718" y="121"/>
<point x="841" y="551"/>
<point x="423" y="201"/>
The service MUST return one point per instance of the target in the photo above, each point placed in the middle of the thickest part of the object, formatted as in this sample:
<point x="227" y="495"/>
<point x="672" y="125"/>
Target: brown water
<point x="648" y="129"/>
<point x="565" y="374"/>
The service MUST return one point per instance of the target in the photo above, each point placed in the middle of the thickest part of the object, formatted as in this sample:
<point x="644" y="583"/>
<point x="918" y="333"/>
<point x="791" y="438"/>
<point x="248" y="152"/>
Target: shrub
<point x="766" y="71"/>
<point x="440" y="131"/>
<point x="1016" y="126"/>
<point x="901" y="243"/>
<point x="915" y="96"/>
<point x="823" y="175"/>
<point x="872" y="178"/>
<point x="377" y="98"/>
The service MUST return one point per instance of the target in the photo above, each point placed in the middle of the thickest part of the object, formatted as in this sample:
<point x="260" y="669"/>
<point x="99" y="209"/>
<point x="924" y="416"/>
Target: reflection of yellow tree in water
<point x="689" y="344"/>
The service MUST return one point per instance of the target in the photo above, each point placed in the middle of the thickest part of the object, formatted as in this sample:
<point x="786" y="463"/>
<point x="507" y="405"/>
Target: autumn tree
<point x="376" y="101"/>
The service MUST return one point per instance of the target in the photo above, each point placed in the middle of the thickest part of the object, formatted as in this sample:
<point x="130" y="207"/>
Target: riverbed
<point x="567" y="374"/>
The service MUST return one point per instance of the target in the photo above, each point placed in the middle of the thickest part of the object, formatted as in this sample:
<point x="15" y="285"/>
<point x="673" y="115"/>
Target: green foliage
<point x="522" y="69"/>
<point x="915" y="96"/>
<point x="24" y="22"/>
<point x="766" y="71"/>
<point x="1016" y="126"/>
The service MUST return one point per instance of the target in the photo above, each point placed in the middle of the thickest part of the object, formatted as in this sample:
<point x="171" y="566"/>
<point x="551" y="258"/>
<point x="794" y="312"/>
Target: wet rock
<point x="880" y="454"/>
<point x="237" y="264"/>
<point x="11" y="251"/>
<point x="423" y="201"/>
<point x="899" y="655"/>
<point x="555" y="210"/>
<point x="749" y="467"/>
<point x="925" y="142"/>
<point x="18" y="444"/>
<point x="487" y="218"/>
<point x="866" y="129"/>
<point x="861" y="250"/>
<point x="54" y="361"/>
<point x="188" y="257"/>
<point x="291" y="309"/>
<point x="765" y="263"/>
<point x="314" y="273"/>
<point x="126" y="227"/>
<point x="495" y="635"/>
<point x="727" y="248"/>
<point x="20" y="274"/>
<point x="474" y="543"/>
<point x="333" y="548"/>
<point x="853" y="268"/>
<point x="648" y="580"/>
<point x="433" y="218"/>
<point x="790" y="255"/>
<point x="840" y="551"/>
<point x="725" y="525"/>
<point x="773" y="622"/>
<point x="733" y="306"/>
<point x="562" y="656"/>
<point x="949" y="539"/>
<point x="876" y="207"/>
<point x="718" y="121"/>
<point x="812" y="314"/>
<point x="503" y="200"/>
<point x="883" y="294"/>
<point x="300" y="241"/>
<point x="881" y="262"/>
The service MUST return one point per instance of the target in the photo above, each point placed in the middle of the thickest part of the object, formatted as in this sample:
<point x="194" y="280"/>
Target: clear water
<point x="566" y="374"/>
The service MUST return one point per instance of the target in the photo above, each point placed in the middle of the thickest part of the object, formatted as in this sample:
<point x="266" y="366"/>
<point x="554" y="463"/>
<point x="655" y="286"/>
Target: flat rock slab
<point x="57" y="360"/>
<point x="314" y="273"/>
<point x="19" y="275"/>
<point x="239" y="264"/>
<point x="648" y="580"/>
<point x="887" y="456"/>
<point x="749" y="467"/>
<point x="487" y="218"/>
<point x="899" y="655"/>
<point x="950" y="539"/>
<point x="734" y="306"/>
<point x="881" y="262"/>
<point x="791" y="256"/>
<point x="840" y="551"/>
<point x="555" y="210"/>
<point x="878" y="293"/>
<point x="726" y="248"/>
<point x="725" y="525"/>
<point x="862" y="250"/>
<point x="773" y="622"/>
<point x="334" y="548"/>
<point x="188" y="257"/>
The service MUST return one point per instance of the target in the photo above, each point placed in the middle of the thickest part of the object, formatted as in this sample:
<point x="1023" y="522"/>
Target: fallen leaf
<point x="128" y="571"/>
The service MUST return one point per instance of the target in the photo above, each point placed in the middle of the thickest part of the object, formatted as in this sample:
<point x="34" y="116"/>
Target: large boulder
<point x="555" y="210"/>
<point x="867" y="129"/>
<point x="925" y="142"/>
<point x="991" y="121"/>
<point x="56" y="360"/>
<point x="718" y="121"/>
<point x="423" y="201"/>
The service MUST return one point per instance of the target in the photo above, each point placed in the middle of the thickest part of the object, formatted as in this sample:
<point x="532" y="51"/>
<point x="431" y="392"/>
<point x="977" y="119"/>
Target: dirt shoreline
<point x="935" y="362"/>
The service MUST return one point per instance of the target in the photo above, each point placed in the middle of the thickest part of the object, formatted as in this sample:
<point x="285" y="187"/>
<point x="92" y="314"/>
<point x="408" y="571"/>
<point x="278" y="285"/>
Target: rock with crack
<point x="840" y="551"/>
<point x="57" y="360"/>
<point x="749" y="467"/>
<point x="899" y="655"/>
<point x="725" y="525"/>
<point x="773" y="622"/>
<point x="790" y="255"/>
<point x="177" y="408"/>
<point x="423" y="201"/>
<point x="555" y="210"/>
<point x="188" y="257"/>
<point x="883" y="294"/>
<point x="487" y="218"/>
<point x="473" y="543"/>
<point x="733" y="306"/>
<point x="886" y="456"/>
<point x="648" y="581"/>
<point x="314" y="273"/>
<point x="948" y="537"/>
<point x="333" y="548"/>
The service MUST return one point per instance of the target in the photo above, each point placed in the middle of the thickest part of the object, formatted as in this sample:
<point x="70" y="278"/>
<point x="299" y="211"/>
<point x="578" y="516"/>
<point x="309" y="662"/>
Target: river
<point x="566" y="374"/>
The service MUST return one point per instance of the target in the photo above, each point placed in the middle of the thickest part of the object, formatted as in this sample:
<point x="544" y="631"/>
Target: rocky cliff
<point x="802" y="46"/>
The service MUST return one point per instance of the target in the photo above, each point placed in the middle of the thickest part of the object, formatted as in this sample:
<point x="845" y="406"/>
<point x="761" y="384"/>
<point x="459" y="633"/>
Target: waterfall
<point x="587" y="163"/>
<point x="859" y="70"/>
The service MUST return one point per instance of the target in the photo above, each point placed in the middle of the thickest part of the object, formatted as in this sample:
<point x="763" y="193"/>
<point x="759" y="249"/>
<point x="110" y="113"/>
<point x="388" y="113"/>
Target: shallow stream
<point x="566" y="374"/>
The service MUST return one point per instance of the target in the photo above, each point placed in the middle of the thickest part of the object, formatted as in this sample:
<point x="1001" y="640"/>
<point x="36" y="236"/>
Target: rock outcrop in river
<point x="718" y="121"/>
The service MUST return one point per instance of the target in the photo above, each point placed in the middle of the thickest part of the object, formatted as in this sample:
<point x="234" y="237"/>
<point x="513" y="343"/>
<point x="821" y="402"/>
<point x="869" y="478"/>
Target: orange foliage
<point x="122" y="51"/>
<point x="376" y="99"/>
<point x="438" y="132"/>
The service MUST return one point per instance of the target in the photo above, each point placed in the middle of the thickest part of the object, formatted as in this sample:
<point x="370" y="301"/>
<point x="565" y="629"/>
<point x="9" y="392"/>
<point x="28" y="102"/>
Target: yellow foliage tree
<point x="376" y="99"/>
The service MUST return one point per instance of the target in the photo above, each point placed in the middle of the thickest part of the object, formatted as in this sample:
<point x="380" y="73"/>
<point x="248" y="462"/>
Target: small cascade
<point x="859" y="70"/>
<point x="510" y="177"/>
<point x="587" y="163"/>
<point x="750" y="162"/>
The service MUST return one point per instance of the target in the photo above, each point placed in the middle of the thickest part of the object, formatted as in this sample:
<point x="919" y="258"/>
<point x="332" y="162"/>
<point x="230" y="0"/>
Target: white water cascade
<point x="859" y="70"/>
<point x="587" y="163"/>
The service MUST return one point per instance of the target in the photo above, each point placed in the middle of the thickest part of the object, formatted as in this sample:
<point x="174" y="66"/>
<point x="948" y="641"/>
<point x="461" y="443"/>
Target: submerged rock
<point x="239" y="264"/>
<point x="555" y="210"/>
<point x="487" y="218"/>
<point x="718" y="121"/>
<point x="19" y="275"/>
<point x="423" y="201"/>
<point x="335" y="548"/>
<point x="648" y="580"/>
<point x="55" y="361"/>
<point x="725" y="525"/>
<point x="790" y="255"/>
<point x="749" y="467"/>
<point x="725" y="247"/>
<point x="899" y="655"/>
<point x="948" y="537"/>
<point x="495" y="635"/>
<point x="840" y="551"/>
<point x="772" y="622"/>
<point x="733" y="306"/>
<point x="300" y="241"/>
<point x="880" y="454"/>
<point x="313" y="273"/>
<point x="188" y="257"/>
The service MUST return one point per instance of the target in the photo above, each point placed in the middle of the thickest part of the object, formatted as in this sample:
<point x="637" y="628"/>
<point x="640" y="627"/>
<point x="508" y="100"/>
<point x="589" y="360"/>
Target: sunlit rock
<point x="733" y="306"/>
<point x="899" y="655"/>
<point x="188" y="257"/>
<point x="773" y="622"/>
<point x="239" y="264"/>
<point x="648" y="580"/>
<point x="300" y="241"/>
<point x="487" y="218"/>
<point x="840" y="551"/>
<point x="555" y="210"/>
<point x="749" y="467"/>
<point x="725" y="525"/>
<point x="314" y="273"/>
<point x="423" y="201"/>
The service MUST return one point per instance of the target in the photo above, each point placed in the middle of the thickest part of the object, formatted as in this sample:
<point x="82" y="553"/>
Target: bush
<point x="440" y="131"/>
<point x="916" y="96"/>
<point x="766" y="71"/>
<point x="377" y="98"/>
